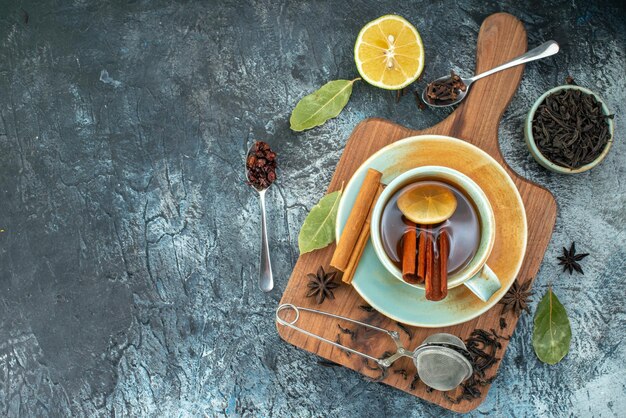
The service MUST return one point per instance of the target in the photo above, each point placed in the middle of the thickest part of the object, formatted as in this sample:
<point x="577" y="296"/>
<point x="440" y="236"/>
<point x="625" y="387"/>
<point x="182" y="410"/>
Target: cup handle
<point x="484" y="283"/>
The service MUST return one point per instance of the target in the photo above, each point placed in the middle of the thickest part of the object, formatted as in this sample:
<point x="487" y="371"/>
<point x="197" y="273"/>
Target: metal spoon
<point x="542" y="51"/>
<point x="266" y="278"/>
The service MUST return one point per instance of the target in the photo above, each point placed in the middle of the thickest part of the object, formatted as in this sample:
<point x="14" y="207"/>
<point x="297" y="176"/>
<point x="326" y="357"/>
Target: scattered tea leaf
<point x="404" y="329"/>
<point x="384" y="372"/>
<point x="343" y="350"/>
<point x="483" y="347"/>
<point x="502" y="322"/>
<point x="552" y="332"/>
<point x="366" y="363"/>
<point x="318" y="229"/>
<point x="327" y="363"/>
<point x="499" y="337"/>
<point x="348" y="331"/>
<point x="326" y="103"/>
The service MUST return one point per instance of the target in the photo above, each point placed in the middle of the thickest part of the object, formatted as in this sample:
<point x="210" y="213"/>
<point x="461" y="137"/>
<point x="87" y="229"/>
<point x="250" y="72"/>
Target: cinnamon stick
<point x="437" y="280"/>
<point x="356" y="221"/>
<point x="421" y="256"/>
<point x="361" y="242"/>
<point x="429" y="261"/>
<point x="444" y="252"/>
<point x="409" y="253"/>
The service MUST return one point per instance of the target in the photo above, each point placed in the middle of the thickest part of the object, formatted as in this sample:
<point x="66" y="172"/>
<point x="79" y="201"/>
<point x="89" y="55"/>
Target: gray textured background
<point x="128" y="260"/>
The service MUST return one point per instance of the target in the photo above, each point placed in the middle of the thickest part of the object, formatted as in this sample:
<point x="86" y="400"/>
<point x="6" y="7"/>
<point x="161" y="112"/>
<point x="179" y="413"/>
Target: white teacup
<point x="476" y="275"/>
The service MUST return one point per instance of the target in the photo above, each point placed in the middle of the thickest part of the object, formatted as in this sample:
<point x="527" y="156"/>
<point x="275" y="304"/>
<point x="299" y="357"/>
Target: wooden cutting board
<point x="501" y="38"/>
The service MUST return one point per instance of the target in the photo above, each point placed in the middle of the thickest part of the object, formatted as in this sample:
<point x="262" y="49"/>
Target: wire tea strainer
<point x="442" y="360"/>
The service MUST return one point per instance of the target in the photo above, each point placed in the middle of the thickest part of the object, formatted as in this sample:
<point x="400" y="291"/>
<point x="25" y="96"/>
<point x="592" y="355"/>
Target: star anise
<point x="321" y="285"/>
<point x="517" y="298"/>
<point x="569" y="259"/>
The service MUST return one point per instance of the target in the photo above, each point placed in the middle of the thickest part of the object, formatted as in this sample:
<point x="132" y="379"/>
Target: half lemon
<point x="389" y="53"/>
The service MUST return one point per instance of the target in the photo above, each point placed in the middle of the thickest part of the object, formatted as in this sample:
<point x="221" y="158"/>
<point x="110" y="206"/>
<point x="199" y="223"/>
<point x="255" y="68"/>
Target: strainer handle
<point x="386" y="362"/>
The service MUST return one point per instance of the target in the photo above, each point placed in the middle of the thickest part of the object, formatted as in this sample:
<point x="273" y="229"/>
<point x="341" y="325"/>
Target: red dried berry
<point x="261" y="165"/>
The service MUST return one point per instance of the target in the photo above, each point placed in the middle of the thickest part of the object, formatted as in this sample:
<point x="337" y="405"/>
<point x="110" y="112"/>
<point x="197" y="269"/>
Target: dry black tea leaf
<point x="404" y="329"/>
<point x="482" y="346"/>
<point x="343" y="350"/>
<point x="415" y="381"/>
<point x="502" y="322"/>
<point x="327" y="363"/>
<point x="366" y="363"/>
<point x="384" y="372"/>
<point x="348" y="331"/>
<point x="569" y="260"/>
<point x="500" y="337"/>
<point x="402" y="372"/>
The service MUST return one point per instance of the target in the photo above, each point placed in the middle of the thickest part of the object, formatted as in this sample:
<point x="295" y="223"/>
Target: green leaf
<point x="318" y="229"/>
<point x="552" y="333"/>
<point x="326" y="103"/>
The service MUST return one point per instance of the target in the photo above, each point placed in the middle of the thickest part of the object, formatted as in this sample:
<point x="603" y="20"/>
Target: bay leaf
<point x="552" y="332"/>
<point x="326" y="103"/>
<point x="318" y="229"/>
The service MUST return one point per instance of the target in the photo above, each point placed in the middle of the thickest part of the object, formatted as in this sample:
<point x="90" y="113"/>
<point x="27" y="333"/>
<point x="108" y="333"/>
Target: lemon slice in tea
<point x="389" y="53"/>
<point x="427" y="204"/>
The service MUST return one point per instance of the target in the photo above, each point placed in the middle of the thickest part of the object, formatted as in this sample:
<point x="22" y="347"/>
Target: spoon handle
<point x="544" y="50"/>
<point x="266" y="278"/>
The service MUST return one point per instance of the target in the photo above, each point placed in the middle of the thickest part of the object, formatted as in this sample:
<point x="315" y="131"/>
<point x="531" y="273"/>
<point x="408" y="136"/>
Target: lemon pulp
<point x="389" y="53"/>
<point x="427" y="204"/>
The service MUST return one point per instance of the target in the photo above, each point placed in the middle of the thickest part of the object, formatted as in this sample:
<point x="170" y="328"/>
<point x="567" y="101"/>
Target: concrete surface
<point x="128" y="260"/>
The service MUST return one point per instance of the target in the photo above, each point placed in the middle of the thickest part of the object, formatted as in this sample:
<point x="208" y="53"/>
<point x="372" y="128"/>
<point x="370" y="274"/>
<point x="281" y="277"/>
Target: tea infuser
<point x="442" y="360"/>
